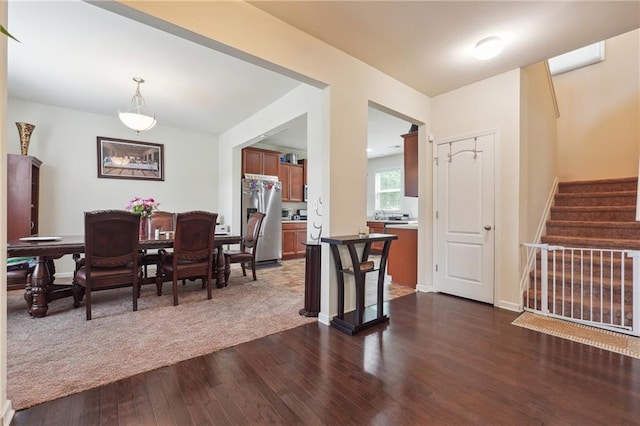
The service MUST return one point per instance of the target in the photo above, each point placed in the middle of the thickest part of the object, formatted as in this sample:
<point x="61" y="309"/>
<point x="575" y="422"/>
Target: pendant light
<point x="137" y="118"/>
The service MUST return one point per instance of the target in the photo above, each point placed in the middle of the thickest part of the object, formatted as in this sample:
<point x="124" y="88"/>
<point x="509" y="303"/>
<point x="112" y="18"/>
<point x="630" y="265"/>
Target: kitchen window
<point x="388" y="189"/>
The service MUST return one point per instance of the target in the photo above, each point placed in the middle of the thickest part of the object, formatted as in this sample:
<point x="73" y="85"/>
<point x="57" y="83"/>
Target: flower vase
<point x="25" y="130"/>
<point x="144" y="227"/>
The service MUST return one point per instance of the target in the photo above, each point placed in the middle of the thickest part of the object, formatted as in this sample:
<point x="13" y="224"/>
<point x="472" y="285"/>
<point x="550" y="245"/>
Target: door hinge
<point x="437" y="214"/>
<point x="436" y="268"/>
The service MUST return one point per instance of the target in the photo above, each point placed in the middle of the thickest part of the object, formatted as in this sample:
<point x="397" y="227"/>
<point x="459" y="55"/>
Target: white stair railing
<point x="594" y="286"/>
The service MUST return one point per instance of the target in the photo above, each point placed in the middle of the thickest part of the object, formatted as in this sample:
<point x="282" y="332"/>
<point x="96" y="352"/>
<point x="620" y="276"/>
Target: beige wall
<point x="492" y="104"/>
<point x="599" y="125"/>
<point x="538" y="148"/>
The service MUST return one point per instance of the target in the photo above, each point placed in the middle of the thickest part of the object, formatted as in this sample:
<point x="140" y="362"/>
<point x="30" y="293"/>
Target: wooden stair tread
<point x="594" y="208"/>
<point x="594" y="223"/>
<point x="597" y="194"/>
<point x="600" y="181"/>
<point x="579" y="242"/>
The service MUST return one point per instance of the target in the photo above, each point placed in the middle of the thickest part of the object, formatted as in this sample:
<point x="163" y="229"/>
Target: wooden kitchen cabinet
<point x="260" y="161"/>
<point x="376" y="228"/>
<point x="23" y="194"/>
<point x="292" y="179"/>
<point x="294" y="235"/>
<point x="411" y="164"/>
<point x="403" y="256"/>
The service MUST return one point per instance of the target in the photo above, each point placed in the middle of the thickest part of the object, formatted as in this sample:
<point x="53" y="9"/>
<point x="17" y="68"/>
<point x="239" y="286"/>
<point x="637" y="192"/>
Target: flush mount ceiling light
<point x="137" y="118"/>
<point x="488" y="47"/>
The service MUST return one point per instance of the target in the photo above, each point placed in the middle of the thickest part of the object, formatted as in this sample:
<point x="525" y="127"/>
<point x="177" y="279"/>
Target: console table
<point x="362" y="317"/>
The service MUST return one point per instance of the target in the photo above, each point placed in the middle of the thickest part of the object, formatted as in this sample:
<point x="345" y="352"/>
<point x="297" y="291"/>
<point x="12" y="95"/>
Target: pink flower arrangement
<point x="144" y="206"/>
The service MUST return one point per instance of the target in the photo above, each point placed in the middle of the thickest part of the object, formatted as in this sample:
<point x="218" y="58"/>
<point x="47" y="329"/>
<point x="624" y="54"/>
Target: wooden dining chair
<point x="248" y="247"/>
<point x="111" y="257"/>
<point x="164" y="221"/>
<point x="193" y="252"/>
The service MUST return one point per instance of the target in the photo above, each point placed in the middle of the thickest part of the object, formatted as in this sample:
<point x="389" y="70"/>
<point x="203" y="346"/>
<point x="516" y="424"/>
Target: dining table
<point x="40" y="290"/>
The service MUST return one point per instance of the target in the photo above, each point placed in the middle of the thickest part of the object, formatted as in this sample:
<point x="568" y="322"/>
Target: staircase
<point x="585" y="272"/>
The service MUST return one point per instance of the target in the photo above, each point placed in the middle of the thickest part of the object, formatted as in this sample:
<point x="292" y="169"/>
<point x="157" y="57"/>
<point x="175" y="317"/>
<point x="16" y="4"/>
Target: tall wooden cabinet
<point x="411" y="164"/>
<point x="23" y="195"/>
<point x="260" y="161"/>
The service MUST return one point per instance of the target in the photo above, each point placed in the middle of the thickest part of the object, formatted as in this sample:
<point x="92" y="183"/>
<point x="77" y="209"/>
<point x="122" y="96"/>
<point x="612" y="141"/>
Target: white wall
<point x="407" y="204"/>
<point x="65" y="141"/>
<point x="487" y="105"/>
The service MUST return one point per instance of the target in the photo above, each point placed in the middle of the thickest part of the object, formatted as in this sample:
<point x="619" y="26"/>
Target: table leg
<point x="220" y="281"/>
<point x="36" y="292"/>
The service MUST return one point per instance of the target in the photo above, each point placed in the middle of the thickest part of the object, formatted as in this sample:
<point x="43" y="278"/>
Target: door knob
<point x="487" y="227"/>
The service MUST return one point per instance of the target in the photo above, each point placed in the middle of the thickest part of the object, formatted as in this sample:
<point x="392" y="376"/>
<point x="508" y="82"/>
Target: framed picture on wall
<point x="126" y="159"/>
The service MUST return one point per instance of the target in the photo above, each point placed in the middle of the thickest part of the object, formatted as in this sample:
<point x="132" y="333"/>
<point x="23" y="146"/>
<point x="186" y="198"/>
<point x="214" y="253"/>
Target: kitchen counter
<point x="395" y="221"/>
<point x="401" y="225"/>
<point x="294" y="220"/>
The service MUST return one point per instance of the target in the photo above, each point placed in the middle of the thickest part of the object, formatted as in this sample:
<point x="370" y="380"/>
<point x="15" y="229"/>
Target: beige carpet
<point x="63" y="353"/>
<point x="604" y="339"/>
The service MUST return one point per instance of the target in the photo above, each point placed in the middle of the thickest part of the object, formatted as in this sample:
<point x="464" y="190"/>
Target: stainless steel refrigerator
<point x="263" y="193"/>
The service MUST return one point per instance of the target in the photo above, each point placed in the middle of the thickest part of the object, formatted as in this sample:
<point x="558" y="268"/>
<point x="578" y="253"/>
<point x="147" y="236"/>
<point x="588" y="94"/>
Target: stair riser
<point x="587" y="275"/>
<point x="587" y="266"/>
<point x="599" y="216"/>
<point x="589" y="200"/>
<point x="564" y="188"/>
<point x="629" y="185"/>
<point x="598" y="291"/>
<point x="586" y="259"/>
<point x="622" y="233"/>
<point x="583" y="311"/>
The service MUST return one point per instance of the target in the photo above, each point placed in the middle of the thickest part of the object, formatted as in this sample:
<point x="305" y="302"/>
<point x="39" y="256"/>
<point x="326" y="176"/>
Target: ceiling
<point x="76" y="55"/>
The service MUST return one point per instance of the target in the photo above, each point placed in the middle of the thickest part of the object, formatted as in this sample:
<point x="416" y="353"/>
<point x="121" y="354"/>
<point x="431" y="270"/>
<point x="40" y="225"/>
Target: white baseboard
<point x="510" y="306"/>
<point x="324" y="319"/>
<point x="425" y="288"/>
<point x="7" y="413"/>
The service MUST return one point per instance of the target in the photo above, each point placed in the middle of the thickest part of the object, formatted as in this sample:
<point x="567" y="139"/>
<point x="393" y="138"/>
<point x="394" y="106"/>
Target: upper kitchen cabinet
<point x="292" y="180"/>
<point x="260" y="161"/>
<point x="411" y="164"/>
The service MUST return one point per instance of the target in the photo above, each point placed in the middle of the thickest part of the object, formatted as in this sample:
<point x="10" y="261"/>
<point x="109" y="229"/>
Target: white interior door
<point x="465" y="218"/>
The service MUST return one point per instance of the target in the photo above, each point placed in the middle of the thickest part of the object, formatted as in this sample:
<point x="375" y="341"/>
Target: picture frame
<point x="127" y="159"/>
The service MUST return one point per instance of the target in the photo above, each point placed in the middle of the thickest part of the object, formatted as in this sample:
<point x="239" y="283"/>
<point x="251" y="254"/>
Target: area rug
<point x="62" y="353"/>
<point x="603" y="339"/>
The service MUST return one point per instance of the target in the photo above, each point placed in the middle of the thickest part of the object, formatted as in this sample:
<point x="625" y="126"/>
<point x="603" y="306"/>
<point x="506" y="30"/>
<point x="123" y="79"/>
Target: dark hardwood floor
<point x="441" y="360"/>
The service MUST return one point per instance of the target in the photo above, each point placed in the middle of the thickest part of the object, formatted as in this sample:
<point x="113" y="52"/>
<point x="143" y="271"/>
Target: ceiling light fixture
<point x="488" y="48"/>
<point x="137" y="118"/>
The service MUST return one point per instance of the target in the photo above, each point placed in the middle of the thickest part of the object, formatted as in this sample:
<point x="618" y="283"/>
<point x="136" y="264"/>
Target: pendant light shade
<point x="137" y="118"/>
